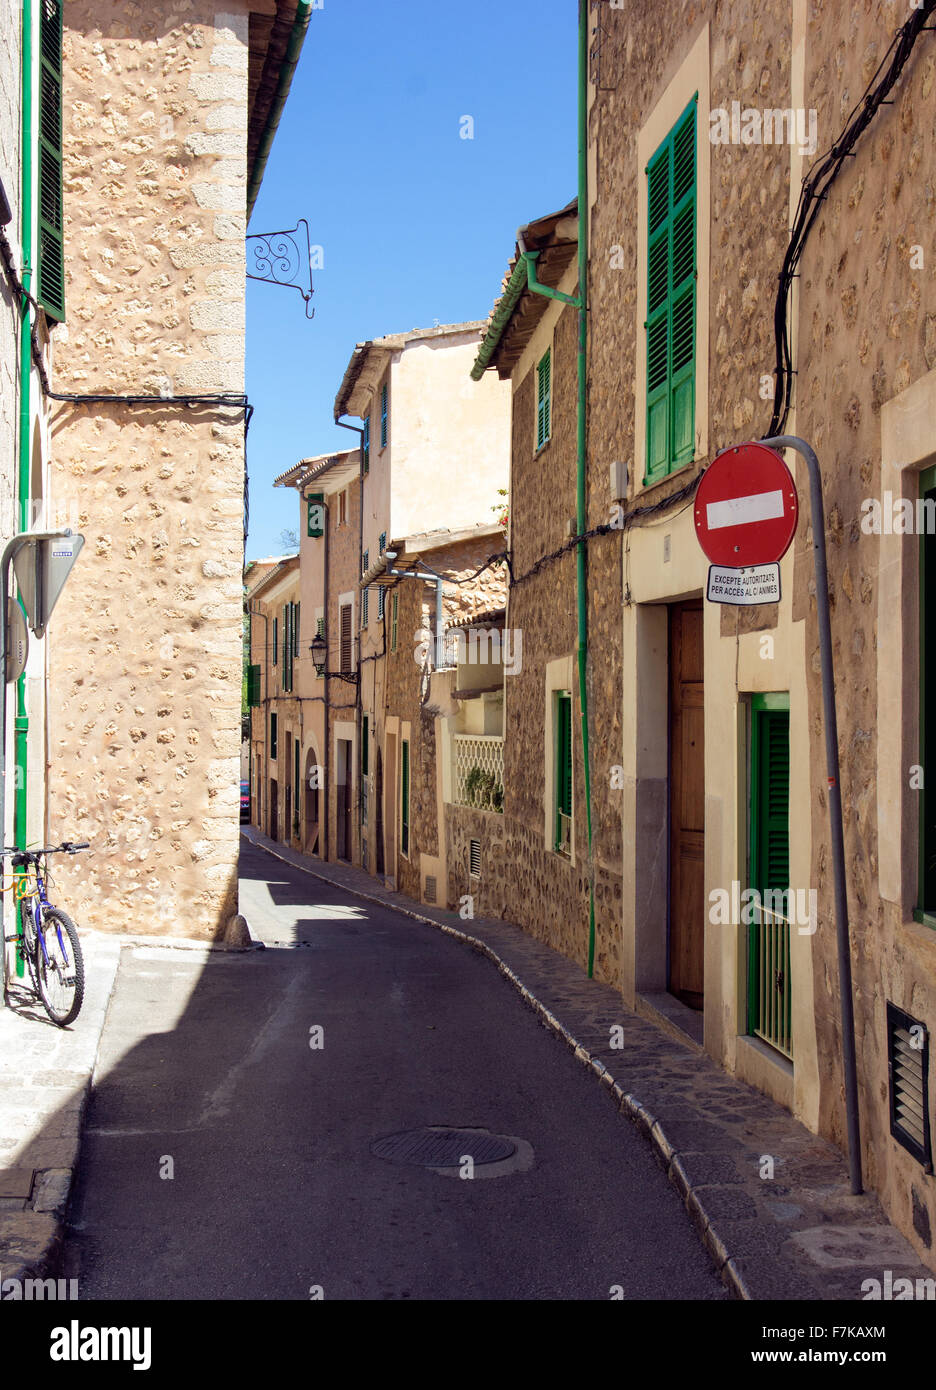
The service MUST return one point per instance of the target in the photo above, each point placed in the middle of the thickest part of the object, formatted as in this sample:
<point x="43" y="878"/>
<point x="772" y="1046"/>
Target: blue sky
<point x="416" y="224"/>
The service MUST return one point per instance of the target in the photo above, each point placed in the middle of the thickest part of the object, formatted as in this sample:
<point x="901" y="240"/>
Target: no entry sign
<point x="746" y="507"/>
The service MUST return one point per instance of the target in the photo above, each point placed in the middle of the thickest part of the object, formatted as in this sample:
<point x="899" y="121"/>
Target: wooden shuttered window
<point x="543" y="398"/>
<point x="315" y="514"/>
<point x="394" y="616"/>
<point x="320" y="632"/>
<point x="563" y="773"/>
<point x="404" y="798"/>
<point x="671" y="299"/>
<point x="51" y="258"/>
<point x="346" y="649"/>
<point x="365" y="446"/>
<point x="384" y="417"/>
<point x="381" y="602"/>
<point x="253" y="686"/>
<point x="275" y="639"/>
<point x="769" y="976"/>
<point x="273" y="749"/>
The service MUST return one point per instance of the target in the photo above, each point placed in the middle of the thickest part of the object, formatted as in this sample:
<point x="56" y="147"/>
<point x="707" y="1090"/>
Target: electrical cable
<point x="815" y="190"/>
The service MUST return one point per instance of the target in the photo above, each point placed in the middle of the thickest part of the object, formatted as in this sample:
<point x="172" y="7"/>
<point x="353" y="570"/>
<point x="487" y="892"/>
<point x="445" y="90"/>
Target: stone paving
<point x="799" y="1234"/>
<point x="45" y="1077"/>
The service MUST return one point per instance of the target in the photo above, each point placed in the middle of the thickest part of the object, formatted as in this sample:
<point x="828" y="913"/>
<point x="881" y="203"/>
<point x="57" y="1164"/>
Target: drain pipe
<point x="580" y="303"/>
<point x="21" y="719"/>
<point x="830" y="724"/>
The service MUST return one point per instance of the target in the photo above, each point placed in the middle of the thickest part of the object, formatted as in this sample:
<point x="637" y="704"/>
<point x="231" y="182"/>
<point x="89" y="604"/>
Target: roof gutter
<point x="287" y="69"/>
<point x="523" y="278"/>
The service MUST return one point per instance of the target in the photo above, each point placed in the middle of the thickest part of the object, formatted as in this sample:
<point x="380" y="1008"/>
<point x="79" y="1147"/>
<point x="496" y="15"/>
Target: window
<point x="769" y="993"/>
<point x="671" y="299"/>
<point x="394" y="614"/>
<point x="563" y="773"/>
<point x="926" y="878"/>
<point x="253" y="686"/>
<point x="381" y="602"/>
<point x="404" y="798"/>
<point x="365" y="562"/>
<point x="295" y="795"/>
<point x="365" y="606"/>
<point x="543" y="375"/>
<point x="365" y="767"/>
<point x="382" y="543"/>
<point x="320" y="632"/>
<point x="346" y="651"/>
<point x="315" y="514"/>
<point x="290" y="643"/>
<point x="272" y="736"/>
<point x="275" y="639"/>
<point x="908" y="1074"/>
<point x="365" y="446"/>
<point x="384" y="417"/>
<point x="51" y="282"/>
<point x="343" y="508"/>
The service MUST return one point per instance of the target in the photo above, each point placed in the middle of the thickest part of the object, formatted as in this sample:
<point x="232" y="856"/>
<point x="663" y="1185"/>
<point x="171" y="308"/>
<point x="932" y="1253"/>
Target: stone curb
<point x="627" y="1105"/>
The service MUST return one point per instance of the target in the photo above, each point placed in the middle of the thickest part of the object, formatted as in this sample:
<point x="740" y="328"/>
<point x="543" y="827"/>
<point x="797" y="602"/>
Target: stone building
<point x="424" y="744"/>
<point x="168" y="112"/>
<point x="326" y="689"/>
<point x="703" y="124"/>
<point x="541" y="880"/>
<point x="275" y="731"/>
<point x="434" y="462"/>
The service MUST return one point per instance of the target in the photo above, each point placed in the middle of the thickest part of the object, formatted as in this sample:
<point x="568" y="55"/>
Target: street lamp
<point x="319" y="650"/>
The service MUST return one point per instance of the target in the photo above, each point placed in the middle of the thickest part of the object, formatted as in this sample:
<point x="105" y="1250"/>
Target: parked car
<point x="245" y="802"/>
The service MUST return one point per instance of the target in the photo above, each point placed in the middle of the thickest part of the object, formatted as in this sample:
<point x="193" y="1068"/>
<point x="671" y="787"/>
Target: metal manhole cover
<point x="437" y="1146"/>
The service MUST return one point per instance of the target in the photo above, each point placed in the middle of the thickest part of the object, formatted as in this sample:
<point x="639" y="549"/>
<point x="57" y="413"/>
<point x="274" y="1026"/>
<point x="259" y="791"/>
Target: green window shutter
<point x="275" y="639"/>
<point x="394" y="614"/>
<point x="384" y="417"/>
<point x="671" y="299"/>
<point x="315" y="513"/>
<point x="404" y="799"/>
<point x="563" y="764"/>
<point x="382" y="542"/>
<point x="272" y="736"/>
<point x="381" y="603"/>
<point x="770" y="799"/>
<point x="253" y="686"/>
<point x="365" y="746"/>
<point x="285" y="631"/>
<point x="365" y="606"/>
<point x="543" y="380"/>
<point x="320" y="632"/>
<point x="51" y="259"/>
<point x="365" y="446"/>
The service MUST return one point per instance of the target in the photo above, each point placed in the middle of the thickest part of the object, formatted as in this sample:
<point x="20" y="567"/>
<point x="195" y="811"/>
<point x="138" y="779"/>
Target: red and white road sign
<point x="746" y="507"/>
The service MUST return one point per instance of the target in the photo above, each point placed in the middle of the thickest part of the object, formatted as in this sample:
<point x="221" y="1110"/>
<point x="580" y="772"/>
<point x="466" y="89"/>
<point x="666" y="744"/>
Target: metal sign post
<point x="790" y="441"/>
<point x="43" y="561"/>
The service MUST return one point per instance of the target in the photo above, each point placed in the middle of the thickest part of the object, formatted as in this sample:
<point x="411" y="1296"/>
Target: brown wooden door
<point x="687" y="804"/>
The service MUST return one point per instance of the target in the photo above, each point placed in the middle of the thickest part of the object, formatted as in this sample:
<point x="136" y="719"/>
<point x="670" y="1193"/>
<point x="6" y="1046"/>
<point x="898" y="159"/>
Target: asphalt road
<point x="207" y="1072"/>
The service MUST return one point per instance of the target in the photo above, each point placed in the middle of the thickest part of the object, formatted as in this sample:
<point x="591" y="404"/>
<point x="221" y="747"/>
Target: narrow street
<point x="275" y="1192"/>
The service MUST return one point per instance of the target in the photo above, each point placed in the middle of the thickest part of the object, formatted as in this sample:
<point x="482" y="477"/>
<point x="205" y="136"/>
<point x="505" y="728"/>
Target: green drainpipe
<point x="580" y="517"/>
<point x="287" y="68"/>
<point x="21" y="723"/>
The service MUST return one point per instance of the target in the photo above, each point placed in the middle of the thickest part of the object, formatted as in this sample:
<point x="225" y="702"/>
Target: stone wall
<point x="146" y="667"/>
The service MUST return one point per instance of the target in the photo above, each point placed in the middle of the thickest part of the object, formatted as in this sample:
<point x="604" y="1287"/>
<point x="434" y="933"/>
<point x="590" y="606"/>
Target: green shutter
<point x="926" y="878"/>
<point x="382" y="543"/>
<point x="272" y="735"/>
<point x="365" y="745"/>
<point x="671" y="299"/>
<point x="51" y="259"/>
<point x="365" y="446"/>
<point x="320" y="632"/>
<point x="770" y="799"/>
<point x="383" y="416"/>
<point x="253" y="685"/>
<point x="394" y="613"/>
<point x="563" y="763"/>
<point x="275" y="639"/>
<point x="404" y="798"/>
<point x="543" y="377"/>
<point x="314" y="518"/>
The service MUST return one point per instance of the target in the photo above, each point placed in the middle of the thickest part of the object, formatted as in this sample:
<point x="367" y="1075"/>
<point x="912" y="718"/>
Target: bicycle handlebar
<point x="66" y="847"/>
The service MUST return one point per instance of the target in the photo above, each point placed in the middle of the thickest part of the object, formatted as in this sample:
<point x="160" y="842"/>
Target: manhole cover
<point x="437" y="1146"/>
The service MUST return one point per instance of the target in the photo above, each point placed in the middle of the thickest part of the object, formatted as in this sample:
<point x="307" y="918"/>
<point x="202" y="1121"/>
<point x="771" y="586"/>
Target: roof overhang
<point x="370" y="359"/>
<point x="329" y="472"/>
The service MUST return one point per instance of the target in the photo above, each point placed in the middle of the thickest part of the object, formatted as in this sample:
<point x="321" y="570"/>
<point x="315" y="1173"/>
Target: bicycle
<point x="46" y="937"/>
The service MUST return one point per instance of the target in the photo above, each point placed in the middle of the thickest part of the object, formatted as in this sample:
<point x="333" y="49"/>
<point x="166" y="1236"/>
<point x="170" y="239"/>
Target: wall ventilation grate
<point x="430" y="889"/>
<point x="474" y="859"/>
<point x="908" y="1074"/>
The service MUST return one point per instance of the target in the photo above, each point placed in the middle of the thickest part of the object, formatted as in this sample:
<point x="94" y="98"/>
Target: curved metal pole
<point x="791" y="441"/>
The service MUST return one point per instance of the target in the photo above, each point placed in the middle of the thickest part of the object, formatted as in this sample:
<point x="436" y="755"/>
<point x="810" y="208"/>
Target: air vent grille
<point x="908" y="1072"/>
<point x="474" y="859"/>
<point x="430" y="890"/>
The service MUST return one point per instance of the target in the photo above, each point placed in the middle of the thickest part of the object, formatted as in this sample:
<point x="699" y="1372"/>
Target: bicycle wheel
<point x="28" y="937"/>
<point x="60" y="978"/>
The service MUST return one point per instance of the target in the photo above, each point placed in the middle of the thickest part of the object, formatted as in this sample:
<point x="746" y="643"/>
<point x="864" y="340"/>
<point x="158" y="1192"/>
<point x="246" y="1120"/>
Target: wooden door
<point x="686" y="803"/>
<point x="390" y="786"/>
<point x="344" y="799"/>
<point x="273" y="808"/>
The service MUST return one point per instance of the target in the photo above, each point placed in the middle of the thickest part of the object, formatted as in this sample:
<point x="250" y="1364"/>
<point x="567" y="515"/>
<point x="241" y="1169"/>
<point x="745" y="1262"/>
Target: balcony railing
<point x="478" y="771"/>
<point x="769" y="980"/>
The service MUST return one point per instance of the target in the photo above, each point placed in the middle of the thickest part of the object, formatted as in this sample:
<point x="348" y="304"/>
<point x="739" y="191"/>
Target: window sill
<point x="925" y="919"/>
<point x="545" y="445"/>
<point x="648" y="486"/>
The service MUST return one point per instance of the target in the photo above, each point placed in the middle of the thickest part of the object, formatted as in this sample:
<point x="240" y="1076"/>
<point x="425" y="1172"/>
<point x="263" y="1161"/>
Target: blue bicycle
<point x="46" y="937"/>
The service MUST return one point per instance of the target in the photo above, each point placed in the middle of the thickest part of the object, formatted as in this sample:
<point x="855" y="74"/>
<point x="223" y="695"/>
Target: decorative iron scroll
<point x="283" y="258"/>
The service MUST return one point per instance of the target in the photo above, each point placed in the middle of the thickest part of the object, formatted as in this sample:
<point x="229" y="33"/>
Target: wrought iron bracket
<point x="284" y="258"/>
